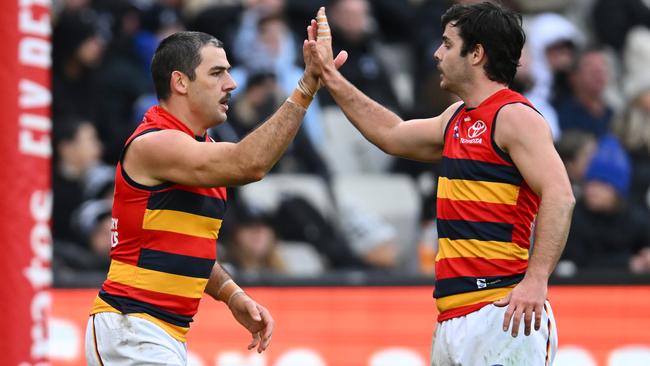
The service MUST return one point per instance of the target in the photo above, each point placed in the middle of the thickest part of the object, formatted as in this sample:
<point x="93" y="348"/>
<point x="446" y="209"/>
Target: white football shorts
<point x="478" y="339"/>
<point x="114" y="339"/>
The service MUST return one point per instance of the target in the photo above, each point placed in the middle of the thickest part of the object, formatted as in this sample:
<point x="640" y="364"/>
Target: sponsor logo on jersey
<point x="476" y="129"/>
<point x="480" y="283"/>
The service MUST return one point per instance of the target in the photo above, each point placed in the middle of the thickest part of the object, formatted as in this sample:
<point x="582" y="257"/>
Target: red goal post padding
<point x="25" y="203"/>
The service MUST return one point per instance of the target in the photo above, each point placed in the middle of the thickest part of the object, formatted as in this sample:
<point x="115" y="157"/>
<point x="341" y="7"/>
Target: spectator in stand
<point x="640" y="262"/>
<point x="632" y="124"/>
<point x="261" y="97"/>
<point x="371" y="237"/>
<point x="123" y="80"/>
<point x="607" y="229"/>
<point x="586" y="109"/>
<point x="265" y="45"/>
<point x="576" y="148"/>
<point x="76" y="150"/>
<point x="613" y="20"/>
<point x="252" y="244"/>
<point x="352" y="24"/>
<point x="88" y="258"/>
<point x="77" y="51"/>
<point x="552" y="43"/>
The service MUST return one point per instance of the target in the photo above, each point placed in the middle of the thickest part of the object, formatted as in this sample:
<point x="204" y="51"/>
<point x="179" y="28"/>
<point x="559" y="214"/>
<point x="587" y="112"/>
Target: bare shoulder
<point x="159" y="143"/>
<point x="519" y="123"/>
<point x="446" y="115"/>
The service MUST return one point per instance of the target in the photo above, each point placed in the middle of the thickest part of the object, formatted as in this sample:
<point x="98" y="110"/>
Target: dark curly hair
<point x="495" y="28"/>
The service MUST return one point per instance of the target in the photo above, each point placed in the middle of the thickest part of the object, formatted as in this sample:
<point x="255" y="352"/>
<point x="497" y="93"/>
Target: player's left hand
<point x="526" y="299"/>
<point x="255" y="318"/>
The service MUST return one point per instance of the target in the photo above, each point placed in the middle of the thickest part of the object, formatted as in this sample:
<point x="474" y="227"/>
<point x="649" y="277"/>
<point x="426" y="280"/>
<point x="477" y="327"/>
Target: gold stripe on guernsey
<point x="177" y="332"/>
<point x="182" y="223"/>
<point x="475" y="190"/>
<point x="472" y="248"/>
<point x="470" y="298"/>
<point x="156" y="281"/>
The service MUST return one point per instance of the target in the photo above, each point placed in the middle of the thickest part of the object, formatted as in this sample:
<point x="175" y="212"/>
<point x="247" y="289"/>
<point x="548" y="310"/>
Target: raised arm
<point x="172" y="156"/>
<point x="416" y="139"/>
<point x="526" y="137"/>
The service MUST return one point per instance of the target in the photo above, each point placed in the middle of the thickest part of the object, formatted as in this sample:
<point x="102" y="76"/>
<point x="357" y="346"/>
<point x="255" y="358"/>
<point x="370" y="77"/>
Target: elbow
<point x="568" y="198"/>
<point x="565" y="198"/>
<point x="256" y="175"/>
<point x="253" y="172"/>
<point x="387" y="147"/>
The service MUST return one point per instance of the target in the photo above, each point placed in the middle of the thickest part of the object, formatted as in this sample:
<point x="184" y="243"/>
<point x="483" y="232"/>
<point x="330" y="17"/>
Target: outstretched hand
<point x="255" y="318"/>
<point x="317" y="48"/>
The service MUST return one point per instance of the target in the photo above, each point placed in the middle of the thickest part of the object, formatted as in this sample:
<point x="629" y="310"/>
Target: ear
<point x="478" y="54"/>
<point x="178" y="83"/>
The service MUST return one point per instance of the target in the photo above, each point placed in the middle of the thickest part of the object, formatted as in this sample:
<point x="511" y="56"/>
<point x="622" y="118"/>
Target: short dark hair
<point x="179" y="52"/>
<point x="494" y="27"/>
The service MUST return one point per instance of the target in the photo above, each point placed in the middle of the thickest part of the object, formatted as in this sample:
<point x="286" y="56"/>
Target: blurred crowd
<point x="584" y="67"/>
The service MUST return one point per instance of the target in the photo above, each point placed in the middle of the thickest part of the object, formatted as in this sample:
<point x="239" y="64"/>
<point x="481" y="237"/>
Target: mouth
<point x="224" y="101"/>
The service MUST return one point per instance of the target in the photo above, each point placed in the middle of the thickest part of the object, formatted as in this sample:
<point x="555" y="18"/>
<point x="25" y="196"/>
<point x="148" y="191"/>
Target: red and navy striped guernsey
<point x="164" y="243"/>
<point x="485" y="212"/>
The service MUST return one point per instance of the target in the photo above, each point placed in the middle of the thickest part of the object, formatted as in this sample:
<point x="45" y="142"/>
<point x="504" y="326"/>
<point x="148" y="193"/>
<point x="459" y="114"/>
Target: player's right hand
<point x="255" y="318"/>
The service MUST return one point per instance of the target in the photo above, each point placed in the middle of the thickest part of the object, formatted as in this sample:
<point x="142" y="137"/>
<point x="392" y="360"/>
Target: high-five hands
<point x="317" y="48"/>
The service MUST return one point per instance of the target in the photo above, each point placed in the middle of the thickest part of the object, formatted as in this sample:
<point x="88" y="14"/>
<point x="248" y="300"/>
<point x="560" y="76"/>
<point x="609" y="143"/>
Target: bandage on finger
<point x="323" y="27"/>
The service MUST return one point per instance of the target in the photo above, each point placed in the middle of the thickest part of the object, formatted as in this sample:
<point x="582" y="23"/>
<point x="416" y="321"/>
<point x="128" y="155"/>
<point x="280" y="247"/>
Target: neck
<point x="476" y="93"/>
<point x="182" y="112"/>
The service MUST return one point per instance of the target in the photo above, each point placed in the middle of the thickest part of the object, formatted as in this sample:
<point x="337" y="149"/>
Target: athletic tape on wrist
<point x="227" y="290"/>
<point x="232" y="296"/>
<point x="300" y="98"/>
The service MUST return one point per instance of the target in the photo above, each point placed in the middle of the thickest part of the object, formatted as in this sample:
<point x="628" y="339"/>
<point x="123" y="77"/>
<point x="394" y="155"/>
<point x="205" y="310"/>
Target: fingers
<point x="267" y="331"/>
<point x="311" y="30"/>
<point x="340" y="59"/>
<point x="255" y="341"/>
<point x="507" y="317"/>
<point x="324" y="33"/>
<point x="538" y="317"/>
<point x="516" y="321"/>
<point x="516" y="313"/>
<point x="503" y="302"/>
<point x="528" y="320"/>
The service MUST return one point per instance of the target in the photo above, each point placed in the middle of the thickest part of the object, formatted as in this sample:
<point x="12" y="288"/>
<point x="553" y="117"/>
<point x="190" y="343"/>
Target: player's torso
<point x="164" y="242"/>
<point x="485" y="212"/>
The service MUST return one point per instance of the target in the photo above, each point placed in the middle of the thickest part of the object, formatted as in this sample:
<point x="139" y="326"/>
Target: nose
<point x="436" y="55"/>
<point x="230" y="83"/>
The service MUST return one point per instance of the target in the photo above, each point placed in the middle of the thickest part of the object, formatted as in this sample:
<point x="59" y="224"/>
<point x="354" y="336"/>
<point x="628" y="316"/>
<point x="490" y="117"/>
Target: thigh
<point x="117" y="339"/>
<point x="488" y="345"/>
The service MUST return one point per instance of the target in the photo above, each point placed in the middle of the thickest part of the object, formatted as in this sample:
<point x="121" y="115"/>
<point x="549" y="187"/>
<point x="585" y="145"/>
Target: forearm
<point x="552" y="229"/>
<point x="262" y="148"/>
<point x="219" y="287"/>
<point x="372" y="119"/>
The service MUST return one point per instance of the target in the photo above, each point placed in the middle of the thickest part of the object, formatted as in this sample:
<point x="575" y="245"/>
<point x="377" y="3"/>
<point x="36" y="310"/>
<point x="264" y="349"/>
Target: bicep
<point x="171" y="156"/>
<point x="527" y="138"/>
<point x="417" y="139"/>
<point x="421" y="139"/>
